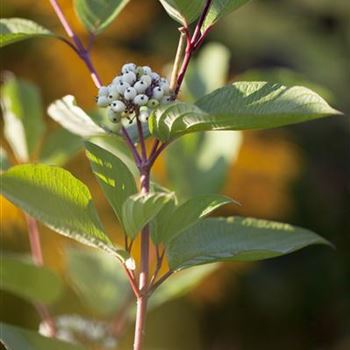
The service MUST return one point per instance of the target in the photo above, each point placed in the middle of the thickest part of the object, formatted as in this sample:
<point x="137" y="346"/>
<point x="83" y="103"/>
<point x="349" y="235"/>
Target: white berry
<point x="155" y="76"/>
<point x="129" y="67"/>
<point x="122" y="86"/>
<point x="113" y="95"/>
<point x="158" y="92"/>
<point x="130" y="93"/>
<point x="118" y="106"/>
<point x="141" y="100"/>
<point x="102" y="101"/>
<point x="141" y="86"/>
<point x="114" y="117"/>
<point x="147" y="70"/>
<point x="166" y="99"/>
<point x="147" y="79"/>
<point x="165" y="86"/>
<point x="117" y="79"/>
<point x="129" y="78"/>
<point x="103" y="91"/>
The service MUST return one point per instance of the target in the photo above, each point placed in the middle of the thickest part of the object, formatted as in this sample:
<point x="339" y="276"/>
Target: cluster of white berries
<point x="134" y="93"/>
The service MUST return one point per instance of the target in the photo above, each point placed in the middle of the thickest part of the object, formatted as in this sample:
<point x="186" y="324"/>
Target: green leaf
<point x="198" y="163"/>
<point x="220" y="8"/>
<point x="183" y="11"/>
<point x="98" y="280"/>
<point x="15" y="338"/>
<point x="59" y="200"/>
<point x="23" y="117"/>
<point x="236" y="239"/>
<point x="118" y="147"/>
<point x="180" y="284"/>
<point x="70" y="116"/>
<point x="4" y="161"/>
<point x="261" y="105"/>
<point x="141" y="208"/>
<point x="59" y="146"/>
<point x="115" y="179"/>
<point x="160" y="222"/>
<point x="34" y="283"/>
<point x="96" y="15"/>
<point x="17" y="29"/>
<point x="190" y="212"/>
<point x="201" y="78"/>
<point x="243" y="105"/>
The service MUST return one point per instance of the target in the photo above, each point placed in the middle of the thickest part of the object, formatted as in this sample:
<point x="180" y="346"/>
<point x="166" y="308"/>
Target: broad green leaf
<point x="198" y="163"/>
<point x="201" y="78"/>
<point x="59" y="146"/>
<point x="15" y="338"/>
<point x="96" y="15"/>
<point x="23" y="117"/>
<point x="236" y="239"/>
<point x="118" y="147"/>
<point x="160" y="222"/>
<point x="180" y="284"/>
<point x="59" y="200"/>
<point x="243" y="105"/>
<point x="183" y="11"/>
<point x="98" y="280"/>
<point x="17" y="29"/>
<point x="4" y="161"/>
<point x="190" y="212"/>
<point x="34" y="283"/>
<point x="115" y="179"/>
<point x="261" y="105"/>
<point x="70" y="116"/>
<point x="220" y="8"/>
<point x="141" y="208"/>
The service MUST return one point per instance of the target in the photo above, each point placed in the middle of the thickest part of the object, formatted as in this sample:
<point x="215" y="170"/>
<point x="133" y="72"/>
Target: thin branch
<point x="37" y="257"/>
<point x="132" y="282"/>
<point x="160" y="281"/>
<point x="132" y="147"/>
<point x="155" y="155"/>
<point x="160" y="257"/>
<point x="197" y="31"/>
<point x="142" y="140"/>
<point x="179" y="54"/>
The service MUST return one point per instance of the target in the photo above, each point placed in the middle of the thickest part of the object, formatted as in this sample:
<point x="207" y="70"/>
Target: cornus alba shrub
<point x="136" y="105"/>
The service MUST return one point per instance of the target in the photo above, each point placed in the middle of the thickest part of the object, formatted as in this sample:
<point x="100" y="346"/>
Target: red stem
<point x="37" y="257"/>
<point x="192" y="45"/>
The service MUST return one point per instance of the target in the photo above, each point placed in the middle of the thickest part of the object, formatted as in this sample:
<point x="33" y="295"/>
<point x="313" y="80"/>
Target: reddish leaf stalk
<point x="37" y="257"/>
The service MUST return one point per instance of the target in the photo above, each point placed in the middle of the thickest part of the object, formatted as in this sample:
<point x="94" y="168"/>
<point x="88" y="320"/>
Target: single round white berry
<point x="165" y="87"/>
<point x="152" y="103"/>
<point x="141" y="100"/>
<point x="117" y="79"/>
<point x="102" y="101"/>
<point x="130" y="93"/>
<point x="122" y="86"/>
<point x="129" y="78"/>
<point x="141" y="86"/>
<point x="165" y="100"/>
<point x="129" y="67"/>
<point x="144" y="114"/>
<point x="103" y="91"/>
<point x="118" y="106"/>
<point x="147" y="79"/>
<point x="113" y="95"/>
<point x="155" y="76"/>
<point x="147" y="70"/>
<point x="114" y="117"/>
<point x="158" y="92"/>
